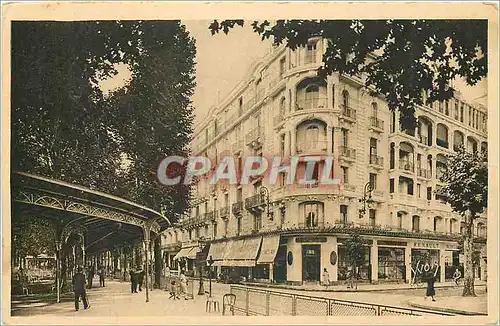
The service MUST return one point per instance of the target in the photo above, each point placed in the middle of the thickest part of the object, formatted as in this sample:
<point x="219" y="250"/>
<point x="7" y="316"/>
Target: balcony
<point x="255" y="137"/>
<point x="376" y="124"/>
<point x="423" y="140"/>
<point x="311" y="225"/>
<point x="347" y="153"/>
<point x="224" y="212"/>
<point x="312" y="146"/>
<point x="254" y="202"/>
<point x="349" y="187"/>
<point x="377" y="161"/>
<point x="311" y="104"/>
<point x="212" y="216"/>
<point x="406" y="166"/>
<point x="347" y="114"/>
<point x="424" y="173"/>
<point x="237" y="208"/>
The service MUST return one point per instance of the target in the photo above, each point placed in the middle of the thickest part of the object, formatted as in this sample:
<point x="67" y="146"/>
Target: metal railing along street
<point x="252" y="301"/>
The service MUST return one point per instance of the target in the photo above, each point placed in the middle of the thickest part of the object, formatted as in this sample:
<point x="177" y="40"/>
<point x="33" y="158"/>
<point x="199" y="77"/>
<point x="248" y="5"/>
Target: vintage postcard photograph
<point x="249" y="163"/>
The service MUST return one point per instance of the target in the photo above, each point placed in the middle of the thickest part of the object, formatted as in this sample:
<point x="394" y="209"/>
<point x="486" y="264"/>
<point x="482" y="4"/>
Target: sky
<point x="223" y="60"/>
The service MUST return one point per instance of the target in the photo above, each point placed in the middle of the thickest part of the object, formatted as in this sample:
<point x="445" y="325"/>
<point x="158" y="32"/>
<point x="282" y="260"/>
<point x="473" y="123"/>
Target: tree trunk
<point x="468" y="266"/>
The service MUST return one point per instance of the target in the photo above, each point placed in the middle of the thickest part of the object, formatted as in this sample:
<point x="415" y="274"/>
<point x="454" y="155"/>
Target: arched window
<point x="437" y="222"/>
<point x="312" y="96"/>
<point x="312" y="134"/>
<point x="442" y="136"/>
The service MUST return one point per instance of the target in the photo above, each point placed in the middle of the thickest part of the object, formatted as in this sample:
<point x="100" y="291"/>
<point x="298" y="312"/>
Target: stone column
<point x="374" y="262"/>
<point x="408" y="263"/>
<point x="442" y="264"/>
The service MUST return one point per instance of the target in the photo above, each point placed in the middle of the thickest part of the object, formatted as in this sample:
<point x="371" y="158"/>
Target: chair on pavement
<point x="228" y="301"/>
<point x="212" y="304"/>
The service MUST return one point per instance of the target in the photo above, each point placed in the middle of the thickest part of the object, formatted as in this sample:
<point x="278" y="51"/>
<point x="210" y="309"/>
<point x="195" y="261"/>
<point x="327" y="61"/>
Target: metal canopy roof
<point x="109" y="220"/>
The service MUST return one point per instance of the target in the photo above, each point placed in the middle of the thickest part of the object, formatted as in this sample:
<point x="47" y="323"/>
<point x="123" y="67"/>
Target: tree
<point x="466" y="190"/>
<point x="402" y="59"/>
<point x="355" y="247"/>
<point x="65" y="127"/>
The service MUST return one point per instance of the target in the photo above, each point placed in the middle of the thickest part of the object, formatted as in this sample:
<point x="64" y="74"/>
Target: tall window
<point x="215" y="230"/>
<point x="393" y="122"/>
<point x="429" y="193"/>
<point x="436" y="223"/>
<point x="456" y="110"/>
<point x="238" y="226"/>
<point x="447" y="107"/>
<point x="345" y="174"/>
<point x="372" y="214"/>
<point x="282" y="144"/>
<point x="462" y="108"/>
<point x="391" y="186"/>
<point x="345" y="100"/>
<point x="400" y="220"/>
<point x="374" y="110"/>
<point x="282" y="66"/>
<point x="311" y="212"/>
<point x="343" y="214"/>
<point x="345" y="134"/>
<point x="311" y="52"/>
<point x="257" y="221"/>
<point x="415" y="223"/>
<point x="373" y="146"/>
<point x="373" y="180"/>
<point x="418" y="190"/>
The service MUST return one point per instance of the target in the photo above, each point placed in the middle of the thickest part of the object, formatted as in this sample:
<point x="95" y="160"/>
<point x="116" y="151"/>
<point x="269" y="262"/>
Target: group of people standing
<point x="136" y="278"/>
<point x="91" y="273"/>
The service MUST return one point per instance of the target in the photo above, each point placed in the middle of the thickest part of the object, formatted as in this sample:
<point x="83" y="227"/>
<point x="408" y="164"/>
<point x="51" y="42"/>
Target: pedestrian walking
<point x="326" y="278"/>
<point x="349" y="277"/>
<point x="430" y="291"/>
<point x="101" y="277"/>
<point x="140" y="278"/>
<point x="133" y="280"/>
<point x="456" y="276"/>
<point x="91" y="275"/>
<point x="184" y="283"/>
<point x="79" y="289"/>
<point x="173" y="291"/>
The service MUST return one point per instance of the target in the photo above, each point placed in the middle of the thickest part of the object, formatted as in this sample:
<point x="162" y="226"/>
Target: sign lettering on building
<point x="310" y="239"/>
<point x="429" y="245"/>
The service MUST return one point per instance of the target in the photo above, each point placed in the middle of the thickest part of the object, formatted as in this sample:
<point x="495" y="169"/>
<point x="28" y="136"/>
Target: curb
<point x="448" y="310"/>
<point x="345" y="290"/>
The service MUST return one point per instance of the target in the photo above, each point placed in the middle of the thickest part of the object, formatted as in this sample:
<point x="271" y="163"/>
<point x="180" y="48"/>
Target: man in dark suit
<point x="101" y="276"/>
<point x="79" y="289"/>
<point x="140" y="278"/>
<point x="133" y="280"/>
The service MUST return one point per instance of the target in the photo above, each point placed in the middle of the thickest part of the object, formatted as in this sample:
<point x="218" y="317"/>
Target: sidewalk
<point x="363" y="287"/>
<point x="456" y="305"/>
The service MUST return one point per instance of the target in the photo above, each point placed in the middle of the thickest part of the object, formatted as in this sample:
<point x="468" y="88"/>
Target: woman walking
<point x="326" y="278"/>
<point x="430" y="292"/>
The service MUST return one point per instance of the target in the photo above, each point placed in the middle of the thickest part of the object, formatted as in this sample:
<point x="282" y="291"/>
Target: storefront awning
<point x="269" y="249"/>
<point x="242" y="253"/>
<point x="192" y="253"/>
<point x="184" y="253"/>
<point x="217" y="252"/>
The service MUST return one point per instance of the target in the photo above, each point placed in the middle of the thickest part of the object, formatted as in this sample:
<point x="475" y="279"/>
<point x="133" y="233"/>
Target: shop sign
<point x="391" y="243"/>
<point x="333" y="258"/>
<point x="429" y="245"/>
<point x="451" y="246"/>
<point x="290" y="258"/>
<point x="310" y="239"/>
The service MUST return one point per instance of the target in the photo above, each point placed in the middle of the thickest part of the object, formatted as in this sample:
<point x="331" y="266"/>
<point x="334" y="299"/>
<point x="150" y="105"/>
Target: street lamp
<point x="264" y="192"/>
<point x="201" y="289"/>
<point x="210" y="262"/>
<point x="366" y="199"/>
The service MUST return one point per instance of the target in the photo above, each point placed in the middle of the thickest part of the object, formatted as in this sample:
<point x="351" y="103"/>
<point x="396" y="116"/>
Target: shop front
<point x="391" y="264"/>
<point x="425" y="259"/>
<point x="364" y="269"/>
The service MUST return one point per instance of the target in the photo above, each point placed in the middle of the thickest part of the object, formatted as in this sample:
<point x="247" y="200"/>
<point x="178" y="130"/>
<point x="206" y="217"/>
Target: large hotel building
<point x="291" y="233"/>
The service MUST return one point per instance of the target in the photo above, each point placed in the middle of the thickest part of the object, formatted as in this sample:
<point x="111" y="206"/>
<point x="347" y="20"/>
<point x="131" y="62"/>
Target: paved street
<point x="115" y="300"/>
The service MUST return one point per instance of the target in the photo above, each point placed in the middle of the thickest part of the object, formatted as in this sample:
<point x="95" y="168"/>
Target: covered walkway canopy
<point x="100" y="220"/>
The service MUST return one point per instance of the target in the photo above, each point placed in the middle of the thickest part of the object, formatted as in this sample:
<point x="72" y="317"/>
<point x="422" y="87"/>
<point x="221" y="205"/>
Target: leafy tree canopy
<point x="402" y="59"/>
<point x="33" y="236"/>
<point x="65" y="127"/>
<point x="355" y="249"/>
<point x="466" y="179"/>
